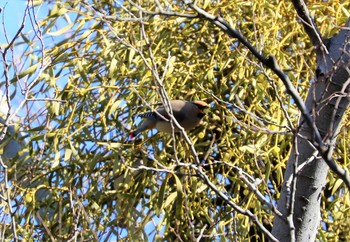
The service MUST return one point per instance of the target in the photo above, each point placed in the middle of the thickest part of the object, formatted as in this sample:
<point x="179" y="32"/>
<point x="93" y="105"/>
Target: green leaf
<point x="67" y="154"/>
<point x="114" y="107"/>
<point x="29" y="71"/>
<point x="179" y="197"/>
<point x="160" y="202"/>
<point x="116" y="145"/>
<point x="169" y="200"/>
<point x="61" y="31"/>
<point x="113" y="68"/>
<point x="56" y="160"/>
<point x="131" y="55"/>
<point x="336" y="185"/>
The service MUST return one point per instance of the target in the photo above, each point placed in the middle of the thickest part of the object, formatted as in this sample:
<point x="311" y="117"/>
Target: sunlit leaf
<point x="61" y="31"/>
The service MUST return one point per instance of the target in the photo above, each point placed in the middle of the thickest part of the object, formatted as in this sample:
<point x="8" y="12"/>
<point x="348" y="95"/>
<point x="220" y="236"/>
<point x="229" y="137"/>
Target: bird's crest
<point x="201" y="104"/>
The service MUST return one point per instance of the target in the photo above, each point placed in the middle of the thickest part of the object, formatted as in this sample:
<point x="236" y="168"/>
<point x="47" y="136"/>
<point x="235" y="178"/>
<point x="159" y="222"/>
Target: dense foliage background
<point x="88" y="67"/>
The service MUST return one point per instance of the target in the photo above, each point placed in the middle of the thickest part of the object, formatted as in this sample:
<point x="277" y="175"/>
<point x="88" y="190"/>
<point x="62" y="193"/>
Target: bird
<point x="187" y="113"/>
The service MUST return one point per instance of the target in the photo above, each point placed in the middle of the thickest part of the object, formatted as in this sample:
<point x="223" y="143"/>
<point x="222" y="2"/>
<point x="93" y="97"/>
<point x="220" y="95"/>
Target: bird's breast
<point x="164" y="126"/>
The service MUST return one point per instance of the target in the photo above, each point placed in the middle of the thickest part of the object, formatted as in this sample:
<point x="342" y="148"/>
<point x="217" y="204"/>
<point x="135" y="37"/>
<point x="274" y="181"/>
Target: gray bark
<point x="328" y="100"/>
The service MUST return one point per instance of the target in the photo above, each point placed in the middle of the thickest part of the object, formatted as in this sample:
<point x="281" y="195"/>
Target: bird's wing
<point x="154" y="115"/>
<point x="179" y="116"/>
<point x="148" y="115"/>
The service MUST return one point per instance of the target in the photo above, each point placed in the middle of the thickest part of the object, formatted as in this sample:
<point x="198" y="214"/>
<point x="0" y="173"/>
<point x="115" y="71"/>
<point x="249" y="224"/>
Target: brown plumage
<point x="188" y="114"/>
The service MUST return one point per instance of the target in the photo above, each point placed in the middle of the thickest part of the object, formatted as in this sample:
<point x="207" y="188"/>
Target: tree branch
<point x="271" y="63"/>
<point x="308" y="23"/>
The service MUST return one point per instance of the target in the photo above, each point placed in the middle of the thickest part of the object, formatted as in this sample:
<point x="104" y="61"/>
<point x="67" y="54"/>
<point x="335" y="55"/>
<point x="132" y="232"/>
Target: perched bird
<point x="187" y="114"/>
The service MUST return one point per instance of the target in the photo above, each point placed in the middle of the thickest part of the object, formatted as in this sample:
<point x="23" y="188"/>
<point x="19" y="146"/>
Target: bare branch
<point x="324" y="149"/>
<point x="291" y="191"/>
<point x="253" y="188"/>
<point x="237" y="208"/>
<point x="241" y="108"/>
<point x="9" y="200"/>
<point x="38" y="216"/>
<point x="197" y="166"/>
<point x="269" y="62"/>
<point x="308" y="23"/>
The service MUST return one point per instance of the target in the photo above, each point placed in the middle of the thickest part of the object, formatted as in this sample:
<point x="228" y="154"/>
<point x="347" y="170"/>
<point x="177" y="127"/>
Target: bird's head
<point x="202" y="106"/>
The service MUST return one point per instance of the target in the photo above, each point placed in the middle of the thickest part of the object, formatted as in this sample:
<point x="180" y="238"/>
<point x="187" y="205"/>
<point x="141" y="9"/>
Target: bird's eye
<point x="201" y="114"/>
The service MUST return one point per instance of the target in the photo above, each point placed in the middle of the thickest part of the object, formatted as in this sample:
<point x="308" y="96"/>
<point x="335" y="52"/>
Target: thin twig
<point x="324" y="149"/>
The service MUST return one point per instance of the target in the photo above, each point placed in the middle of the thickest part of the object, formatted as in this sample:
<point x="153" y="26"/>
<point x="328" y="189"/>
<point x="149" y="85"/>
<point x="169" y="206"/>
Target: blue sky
<point x="11" y="17"/>
<point x="12" y="13"/>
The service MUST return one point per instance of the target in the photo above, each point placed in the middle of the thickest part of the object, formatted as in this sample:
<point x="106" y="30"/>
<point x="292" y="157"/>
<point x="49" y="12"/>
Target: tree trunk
<point x="328" y="101"/>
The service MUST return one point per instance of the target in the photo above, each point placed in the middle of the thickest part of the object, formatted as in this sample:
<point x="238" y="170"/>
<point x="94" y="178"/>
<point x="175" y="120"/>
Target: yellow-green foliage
<point x="105" y="61"/>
